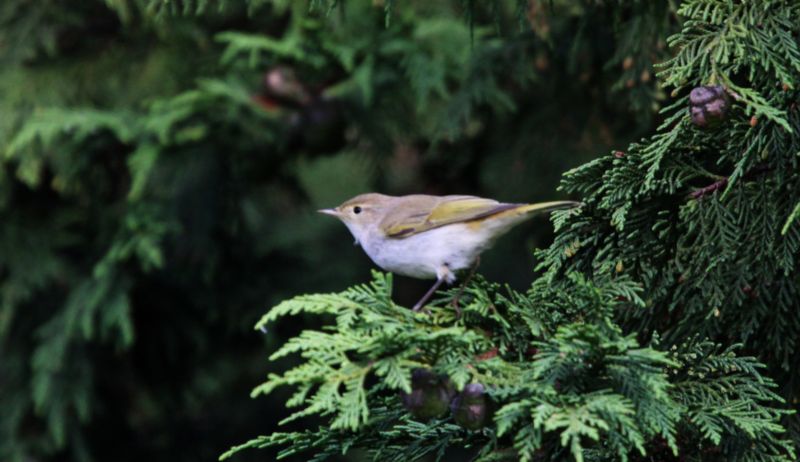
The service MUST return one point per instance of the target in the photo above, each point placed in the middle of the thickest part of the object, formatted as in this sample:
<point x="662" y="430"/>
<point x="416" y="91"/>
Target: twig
<point x="719" y="184"/>
<point x="709" y="189"/>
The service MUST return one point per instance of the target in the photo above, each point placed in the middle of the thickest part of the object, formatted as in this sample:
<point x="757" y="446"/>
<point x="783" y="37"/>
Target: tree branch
<point x="719" y="184"/>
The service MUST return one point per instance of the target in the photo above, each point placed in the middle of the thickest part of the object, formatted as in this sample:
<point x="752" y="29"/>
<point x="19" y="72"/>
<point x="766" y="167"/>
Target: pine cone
<point x="708" y="105"/>
<point x="430" y="395"/>
<point x="472" y="409"/>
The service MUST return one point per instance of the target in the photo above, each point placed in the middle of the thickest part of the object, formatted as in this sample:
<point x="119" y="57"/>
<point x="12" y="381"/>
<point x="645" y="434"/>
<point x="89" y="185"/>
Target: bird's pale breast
<point x="455" y="246"/>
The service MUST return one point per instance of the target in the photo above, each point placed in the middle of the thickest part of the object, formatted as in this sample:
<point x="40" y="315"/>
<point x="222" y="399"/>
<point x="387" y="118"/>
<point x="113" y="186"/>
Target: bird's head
<point x="361" y="214"/>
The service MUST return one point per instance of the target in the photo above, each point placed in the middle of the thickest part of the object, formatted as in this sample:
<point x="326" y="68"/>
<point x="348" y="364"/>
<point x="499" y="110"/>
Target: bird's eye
<point x="356" y="210"/>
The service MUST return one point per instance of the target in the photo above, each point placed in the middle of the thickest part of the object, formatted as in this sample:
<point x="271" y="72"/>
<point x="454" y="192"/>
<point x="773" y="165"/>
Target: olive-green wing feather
<point x="419" y="213"/>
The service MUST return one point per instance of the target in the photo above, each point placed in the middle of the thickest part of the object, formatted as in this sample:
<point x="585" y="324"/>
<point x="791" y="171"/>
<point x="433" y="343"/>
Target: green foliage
<point x="578" y="386"/>
<point x="703" y="255"/>
<point x="721" y="41"/>
<point x="372" y="336"/>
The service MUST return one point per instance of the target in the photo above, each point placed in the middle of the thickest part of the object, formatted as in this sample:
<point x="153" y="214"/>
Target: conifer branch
<point x="719" y="184"/>
<point x="723" y="182"/>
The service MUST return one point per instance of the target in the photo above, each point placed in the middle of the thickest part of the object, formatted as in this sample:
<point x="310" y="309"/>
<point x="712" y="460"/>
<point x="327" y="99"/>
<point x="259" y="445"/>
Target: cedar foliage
<point x="151" y="201"/>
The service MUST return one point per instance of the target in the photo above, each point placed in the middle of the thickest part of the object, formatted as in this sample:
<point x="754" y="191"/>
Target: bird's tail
<point x="544" y="207"/>
<point x="516" y="213"/>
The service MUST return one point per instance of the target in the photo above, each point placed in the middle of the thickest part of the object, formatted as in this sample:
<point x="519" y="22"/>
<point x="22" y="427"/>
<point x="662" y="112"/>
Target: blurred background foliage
<point x="161" y="163"/>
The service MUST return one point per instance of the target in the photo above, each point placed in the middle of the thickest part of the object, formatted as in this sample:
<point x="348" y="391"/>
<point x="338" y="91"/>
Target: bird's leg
<point x="464" y="286"/>
<point x="428" y="294"/>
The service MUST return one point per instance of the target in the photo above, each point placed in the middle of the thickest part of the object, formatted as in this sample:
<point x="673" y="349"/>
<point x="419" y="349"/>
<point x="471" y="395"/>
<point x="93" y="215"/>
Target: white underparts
<point x="433" y="254"/>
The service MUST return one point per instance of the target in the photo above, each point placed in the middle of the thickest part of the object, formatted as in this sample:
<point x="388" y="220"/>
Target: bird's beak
<point x="331" y="212"/>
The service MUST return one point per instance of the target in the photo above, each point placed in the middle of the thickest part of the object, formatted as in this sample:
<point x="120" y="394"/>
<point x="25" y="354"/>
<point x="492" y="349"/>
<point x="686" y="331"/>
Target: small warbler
<point x="429" y="237"/>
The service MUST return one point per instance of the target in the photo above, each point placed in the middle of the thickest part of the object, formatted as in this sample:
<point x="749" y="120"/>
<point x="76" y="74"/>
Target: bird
<point x="431" y="237"/>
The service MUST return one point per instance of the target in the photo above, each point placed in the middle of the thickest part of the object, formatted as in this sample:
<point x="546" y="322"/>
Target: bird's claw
<point x="419" y="308"/>
<point x="456" y="307"/>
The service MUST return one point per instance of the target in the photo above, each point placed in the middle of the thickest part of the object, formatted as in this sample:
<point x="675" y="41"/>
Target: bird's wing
<point x="422" y="213"/>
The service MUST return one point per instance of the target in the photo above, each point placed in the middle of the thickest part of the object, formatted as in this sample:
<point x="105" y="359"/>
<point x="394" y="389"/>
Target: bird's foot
<point x="419" y="308"/>
<point x="471" y="274"/>
<point x="427" y="296"/>
<point x="455" y="305"/>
